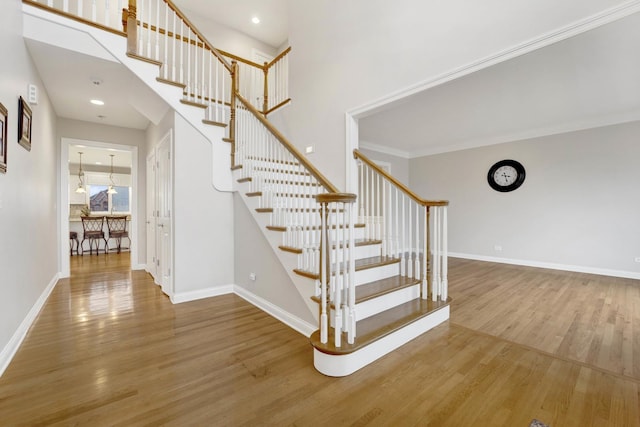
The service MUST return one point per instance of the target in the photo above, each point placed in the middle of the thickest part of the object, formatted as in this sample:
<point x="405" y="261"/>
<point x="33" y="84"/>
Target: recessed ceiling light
<point x="255" y="20"/>
<point x="97" y="102"/>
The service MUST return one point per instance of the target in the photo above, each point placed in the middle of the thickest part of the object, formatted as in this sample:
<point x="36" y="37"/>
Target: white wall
<point x="578" y="206"/>
<point x="76" y="129"/>
<point x="228" y="39"/>
<point x="347" y="54"/>
<point x="28" y="192"/>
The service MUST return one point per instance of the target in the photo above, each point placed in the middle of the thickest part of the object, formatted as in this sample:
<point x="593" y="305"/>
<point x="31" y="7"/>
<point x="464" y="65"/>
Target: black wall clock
<point x="506" y="175"/>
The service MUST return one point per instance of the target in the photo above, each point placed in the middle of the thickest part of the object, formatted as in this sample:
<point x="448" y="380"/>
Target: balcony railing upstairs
<point x="308" y="209"/>
<point x="159" y="31"/>
<point x="410" y="228"/>
<point x="105" y="14"/>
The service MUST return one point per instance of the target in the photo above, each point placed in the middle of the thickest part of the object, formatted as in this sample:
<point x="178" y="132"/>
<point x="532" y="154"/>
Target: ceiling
<point x="94" y="156"/>
<point x="589" y="80"/>
<point x="237" y="14"/>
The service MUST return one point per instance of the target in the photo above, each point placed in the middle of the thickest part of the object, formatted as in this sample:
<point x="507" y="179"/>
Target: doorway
<point x="69" y="148"/>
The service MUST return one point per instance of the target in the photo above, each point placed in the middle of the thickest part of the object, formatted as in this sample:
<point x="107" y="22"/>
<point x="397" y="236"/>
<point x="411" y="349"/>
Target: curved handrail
<point x="293" y="150"/>
<point x="358" y="155"/>
<point x="213" y="50"/>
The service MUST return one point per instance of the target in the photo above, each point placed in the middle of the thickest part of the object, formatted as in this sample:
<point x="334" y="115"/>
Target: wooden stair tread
<point x="357" y="242"/>
<point x="214" y="123"/>
<point x="379" y="325"/>
<point x="270" y="210"/>
<point x="301" y="173"/>
<point x="144" y="59"/>
<point x="297" y="196"/>
<point x="361" y="264"/>
<point x="193" y="103"/>
<point x="171" y="82"/>
<point x="279" y="181"/>
<point x="378" y="288"/>
<point x="315" y="227"/>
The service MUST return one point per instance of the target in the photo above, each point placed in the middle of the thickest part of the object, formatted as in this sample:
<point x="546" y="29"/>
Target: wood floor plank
<point x="109" y="348"/>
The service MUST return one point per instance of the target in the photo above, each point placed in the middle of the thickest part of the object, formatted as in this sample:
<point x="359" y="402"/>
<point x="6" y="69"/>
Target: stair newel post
<point x="265" y="99"/>
<point x="232" y="116"/>
<point x="131" y="27"/>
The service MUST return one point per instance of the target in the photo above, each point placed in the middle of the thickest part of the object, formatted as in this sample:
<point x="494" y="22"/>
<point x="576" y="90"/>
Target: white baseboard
<point x="14" y="343"/>
<point x="550" y="265"/>
<point x="215" y="291"/>
<point x="302" y="326"/>
<point x="139" y="267"/>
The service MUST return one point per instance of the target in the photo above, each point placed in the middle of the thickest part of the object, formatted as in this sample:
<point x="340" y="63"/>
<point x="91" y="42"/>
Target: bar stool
<point x="117" y="226"/>
<point x="92" y="226"/>
<point x="73" y="236"/>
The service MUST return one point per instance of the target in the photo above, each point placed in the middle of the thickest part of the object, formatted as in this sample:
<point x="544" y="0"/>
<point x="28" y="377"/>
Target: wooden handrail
<point x="74" y="17"/>
<point x="358" y="155"/>
<point x="336" y="197"/>
<point x="213" y="50"/>
<point x="277" y="58"/>
<point x="240" y="59"/>
<point x="293" y="150"/>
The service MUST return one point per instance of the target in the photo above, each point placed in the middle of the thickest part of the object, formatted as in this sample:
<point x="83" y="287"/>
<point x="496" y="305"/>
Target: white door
<point x="164" y="203"/>
<point x="151" y="217"/>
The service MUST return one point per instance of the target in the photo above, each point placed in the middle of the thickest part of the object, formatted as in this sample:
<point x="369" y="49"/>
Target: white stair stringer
<point x="57" y="30"/>
<point x="340" y="365"/>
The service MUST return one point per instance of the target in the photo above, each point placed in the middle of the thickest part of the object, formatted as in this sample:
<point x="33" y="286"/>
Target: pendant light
<point x="111" y="189"/>
<point x="80" y="188"/>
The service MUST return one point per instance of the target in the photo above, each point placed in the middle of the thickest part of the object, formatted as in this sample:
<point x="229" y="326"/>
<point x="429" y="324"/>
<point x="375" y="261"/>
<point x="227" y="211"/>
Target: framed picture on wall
<point x="3" y="138"/>
<point x="24" y="124"/>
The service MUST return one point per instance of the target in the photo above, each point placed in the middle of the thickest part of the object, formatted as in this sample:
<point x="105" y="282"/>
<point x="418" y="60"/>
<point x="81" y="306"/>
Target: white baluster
<point x="94" y="11"/>
<point x="324" y="327"/>
<point x="165" y="66"/>
<point x="425" y="248"/>
<point x="409" y="240"/>
<point x="435" y="271"/>
<point x="416" y="267"/>
<point x="65" y="6"/>
<point x="445" y="268"/>
<point x="403" y="267"/>
<point x="107" y="13"/>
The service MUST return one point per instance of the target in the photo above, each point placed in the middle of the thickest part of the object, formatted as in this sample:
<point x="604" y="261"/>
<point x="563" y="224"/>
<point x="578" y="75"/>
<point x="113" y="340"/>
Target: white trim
<point x="9" y="351"/>
<point x="550" y="265"/>
<point x="302" y="326"/>
<point x="139" y="267"/>
<point x="346" y="364"/>
<point x="214" y="291"/>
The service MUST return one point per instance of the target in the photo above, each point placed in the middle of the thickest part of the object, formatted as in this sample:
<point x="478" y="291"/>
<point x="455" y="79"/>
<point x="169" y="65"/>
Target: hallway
<point x="110" y="349"/>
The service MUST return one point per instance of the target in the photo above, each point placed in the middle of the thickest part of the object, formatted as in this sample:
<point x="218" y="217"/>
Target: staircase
<point x="372" y="266"/>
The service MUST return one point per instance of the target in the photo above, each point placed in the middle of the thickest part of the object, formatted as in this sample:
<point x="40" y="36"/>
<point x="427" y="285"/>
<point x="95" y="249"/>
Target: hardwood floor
<point x="110" y="349"/>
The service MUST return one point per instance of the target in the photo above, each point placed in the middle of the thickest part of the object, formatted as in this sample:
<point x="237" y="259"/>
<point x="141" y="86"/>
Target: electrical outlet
<point x="497" y="248"/>
<point x="637" y="259"/>
<point x="252" y="277"/>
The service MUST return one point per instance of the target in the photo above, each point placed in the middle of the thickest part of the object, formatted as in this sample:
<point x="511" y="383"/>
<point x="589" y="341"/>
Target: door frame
<point x="63" y="200"/>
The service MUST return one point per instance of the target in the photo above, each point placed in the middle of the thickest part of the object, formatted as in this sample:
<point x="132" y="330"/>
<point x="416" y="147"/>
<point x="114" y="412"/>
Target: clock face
<point x="506" y="175"/>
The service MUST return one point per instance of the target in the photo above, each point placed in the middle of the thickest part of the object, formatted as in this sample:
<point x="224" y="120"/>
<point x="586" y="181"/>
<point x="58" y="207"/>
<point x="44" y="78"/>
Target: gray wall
<point x="253" y="254"/>
<point x="28" y="191"/>
<point x="578" y="206"/>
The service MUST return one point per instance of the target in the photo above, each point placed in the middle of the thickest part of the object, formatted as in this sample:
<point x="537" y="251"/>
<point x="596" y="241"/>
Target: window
<point x="100" y="201"/>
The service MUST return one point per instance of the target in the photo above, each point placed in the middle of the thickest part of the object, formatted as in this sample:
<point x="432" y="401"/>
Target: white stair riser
<point x="385" y="302"/>
<point x="376" y="273"/>
<point x="343" y="365"/>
